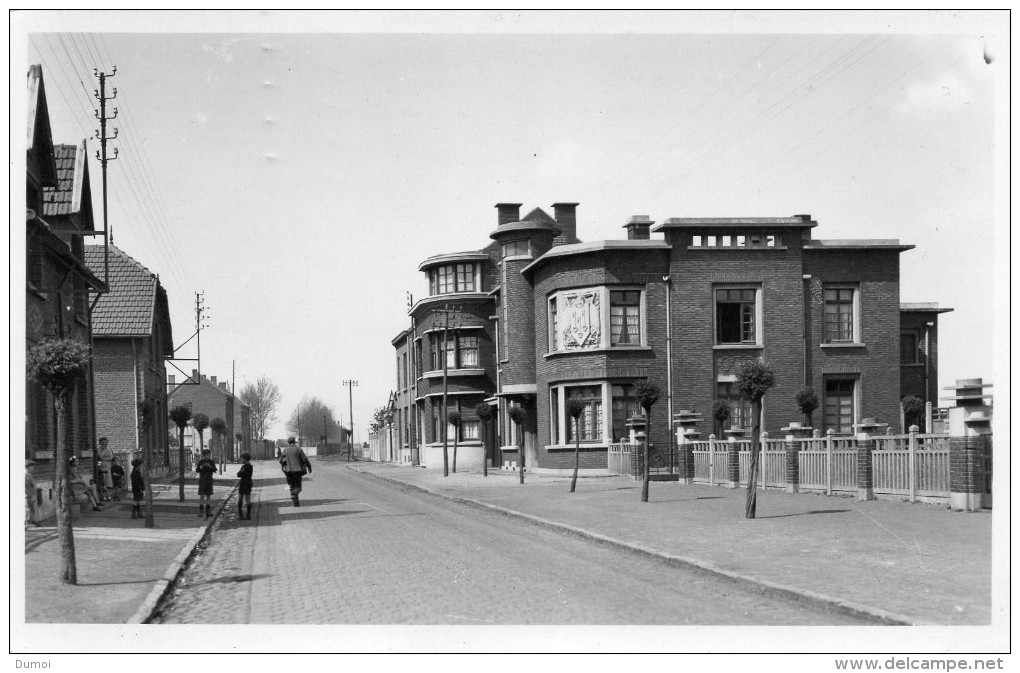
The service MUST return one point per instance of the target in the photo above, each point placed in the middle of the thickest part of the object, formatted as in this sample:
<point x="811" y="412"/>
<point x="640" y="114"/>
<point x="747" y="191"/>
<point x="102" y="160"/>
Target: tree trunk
<point x="146" y="461"/>
<point x="577" y="457"/>
<point x="65" y="532"/>
<point x="752" y="473"/>
<point x="456" y="439"/>
<point x="520" y="441"/>
<point x="180" y="458"/>
<point x="644" y="469"/>
<point x="485" y="448"/>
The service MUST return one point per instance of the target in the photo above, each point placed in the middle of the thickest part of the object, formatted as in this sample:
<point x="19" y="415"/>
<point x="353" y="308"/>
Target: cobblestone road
<point x="361" y="551"/>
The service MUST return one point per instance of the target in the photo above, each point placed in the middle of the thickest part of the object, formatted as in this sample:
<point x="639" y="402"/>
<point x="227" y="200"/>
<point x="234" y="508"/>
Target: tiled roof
<point x="127" y="309"/>
<point x="59" y="201"/>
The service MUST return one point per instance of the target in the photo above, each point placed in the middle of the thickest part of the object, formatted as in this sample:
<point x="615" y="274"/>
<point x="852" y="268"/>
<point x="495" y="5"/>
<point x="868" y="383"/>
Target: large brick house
<point x="205" y="395"/>
<point x="537" y="317"/>
<point x="132" y="337"/>
<point x="58" y="284"/>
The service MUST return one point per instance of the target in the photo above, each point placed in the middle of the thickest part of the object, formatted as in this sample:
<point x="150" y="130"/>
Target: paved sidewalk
<point x="123" y="567"/>
<point x="897" y="562"/>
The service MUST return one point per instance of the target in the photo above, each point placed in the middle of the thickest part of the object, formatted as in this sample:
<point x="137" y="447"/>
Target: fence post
<point x="711" y="460"/>
<point x="793" y="432"/>
<point x="733" y="463"/>
<point x="912" y="462"/>
<point x="763" y="457"/>
<point x="828" y="460"/>
<point x="866" y="431"/>
<point x="970" y="429"/>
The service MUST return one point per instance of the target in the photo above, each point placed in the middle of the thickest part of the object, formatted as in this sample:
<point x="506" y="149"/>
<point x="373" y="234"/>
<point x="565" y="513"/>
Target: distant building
<point x="132" y="339"/>
<point x="206" y="395"/>
<point x="537" y="317"/>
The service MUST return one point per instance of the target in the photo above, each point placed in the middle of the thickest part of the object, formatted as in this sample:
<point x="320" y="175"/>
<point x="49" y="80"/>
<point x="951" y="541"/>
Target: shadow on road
<point x="813" y="511"/>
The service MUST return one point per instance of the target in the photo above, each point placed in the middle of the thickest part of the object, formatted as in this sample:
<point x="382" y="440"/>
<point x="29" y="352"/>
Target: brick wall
<point x="116" y="394"/>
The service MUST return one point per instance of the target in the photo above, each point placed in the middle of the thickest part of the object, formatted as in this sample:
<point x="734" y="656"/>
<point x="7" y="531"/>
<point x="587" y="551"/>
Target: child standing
<point x="137" y="488"/>
<point x="244" y="488"/>
<point x="117" y="472"/>
<point x="206" y="468"/>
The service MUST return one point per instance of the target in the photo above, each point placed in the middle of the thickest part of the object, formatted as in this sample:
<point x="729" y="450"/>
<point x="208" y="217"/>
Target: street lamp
<point x="351" y="385"/>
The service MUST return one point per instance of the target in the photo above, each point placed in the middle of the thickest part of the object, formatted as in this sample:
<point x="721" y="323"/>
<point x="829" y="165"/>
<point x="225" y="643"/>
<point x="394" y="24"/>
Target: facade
<point x="206" y="395"/>
<point x="132" y="337"/>
<point x="919" y="353"/>
<point x="58" y="284"/>
<point x="537" y="317"/>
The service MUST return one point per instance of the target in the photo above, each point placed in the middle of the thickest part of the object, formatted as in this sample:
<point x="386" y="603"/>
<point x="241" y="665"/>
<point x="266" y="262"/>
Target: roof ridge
<point x="129" y="258"/>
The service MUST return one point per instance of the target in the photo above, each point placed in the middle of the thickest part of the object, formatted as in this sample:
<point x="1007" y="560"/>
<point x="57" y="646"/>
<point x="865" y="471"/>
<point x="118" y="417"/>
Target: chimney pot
<point x="508" y="212"/>
<point x="213" y="379"/>
<point x="638" y="228"/>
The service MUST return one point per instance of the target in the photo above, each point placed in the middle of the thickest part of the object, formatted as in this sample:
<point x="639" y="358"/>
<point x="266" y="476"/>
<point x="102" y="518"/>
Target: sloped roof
<point x="71" y="198"/>
<point x="538" y="215"/>
<point x="128" y="309"/>
<point x="40" y="143"/>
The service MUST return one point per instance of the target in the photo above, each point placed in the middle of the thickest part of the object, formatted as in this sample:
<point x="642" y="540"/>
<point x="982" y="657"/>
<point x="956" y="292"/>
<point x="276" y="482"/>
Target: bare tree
<point x="58" y="365"/>
<point x="754" y="378"/>
<point x="263" y="398"/>
<point x="180" y="416"/>
<point x="310" y="416"/>
<point x="574" y="409"/>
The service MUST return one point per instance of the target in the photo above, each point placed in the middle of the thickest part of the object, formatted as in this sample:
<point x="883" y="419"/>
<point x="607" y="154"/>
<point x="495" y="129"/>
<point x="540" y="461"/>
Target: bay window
<point x="578" y="319"/>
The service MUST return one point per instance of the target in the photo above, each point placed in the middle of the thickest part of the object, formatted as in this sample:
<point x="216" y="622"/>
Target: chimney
<point x="213" y="380"/>
<point x="194" y="375"/>
<point x="223" y="384"/>
<point x="638" y="227"/>
<point x="170" y="379"/>
<point x="566" y="220"/>
<point x="508" y="212"/>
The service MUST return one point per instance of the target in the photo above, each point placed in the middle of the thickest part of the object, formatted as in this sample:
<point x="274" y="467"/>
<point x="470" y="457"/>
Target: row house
<point x="58" y="283"/>
<point x="538" y="317"/>
<point x="132" y="338"/>
<point x="205" y="395"/>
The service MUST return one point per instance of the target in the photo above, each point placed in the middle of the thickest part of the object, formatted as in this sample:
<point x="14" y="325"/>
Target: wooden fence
<point x="913" y="466"/>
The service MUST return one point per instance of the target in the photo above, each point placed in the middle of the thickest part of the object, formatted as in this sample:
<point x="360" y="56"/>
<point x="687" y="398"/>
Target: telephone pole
<point x="412" y="404"/>
<point x="104" y="159"/>
<point x="446" y="311"/>
<point x="351" y="385"/>
<point x="200" y="324"/>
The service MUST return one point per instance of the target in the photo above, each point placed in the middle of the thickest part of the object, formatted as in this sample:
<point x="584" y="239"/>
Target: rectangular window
<point x="554" y="327"/>
<point x="740" y="406"/>
<point x="625" y="318"/>
<point x="468" y="351"/>
<point x="469" y="430"/>
<point x="624" y="406"/>
<point x="736" y="315"/>
<point x="444" y="280"/>
<point x="589" y="423"/>
<point x="404" y="370"/>
<point x="465" y="278"/>
<point x="909" y="352"/>
<point x="839" y="405"/>
<point x="516" y="248"/>
<point x="451" y="352"/>
<point x="839" y="314"/>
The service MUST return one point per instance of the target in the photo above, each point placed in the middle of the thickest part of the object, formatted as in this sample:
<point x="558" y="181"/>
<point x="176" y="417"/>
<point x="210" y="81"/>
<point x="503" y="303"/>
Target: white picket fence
<point x="913" y="466"/>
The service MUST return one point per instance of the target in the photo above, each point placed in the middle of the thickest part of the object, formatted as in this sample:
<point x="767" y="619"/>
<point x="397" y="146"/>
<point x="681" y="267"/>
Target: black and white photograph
<point x="663" y="332"/>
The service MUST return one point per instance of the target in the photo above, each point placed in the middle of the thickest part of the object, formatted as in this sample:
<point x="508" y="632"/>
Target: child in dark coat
<point x="117" y="473"/>
<point x="137" y="488"/>
<point x="244" y="488"/>
<point x="206" y="468"/>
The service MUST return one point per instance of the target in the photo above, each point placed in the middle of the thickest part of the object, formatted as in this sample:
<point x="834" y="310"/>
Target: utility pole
<point x="351" y="385"/>
<point x="446" y="311"/>
<point x="412" y="402"/>
<point x="200" y="317"/>
<point x="104" y="159"/>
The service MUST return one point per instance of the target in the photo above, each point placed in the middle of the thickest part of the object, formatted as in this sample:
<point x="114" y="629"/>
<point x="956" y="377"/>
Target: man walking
<point x="295" y="465"/>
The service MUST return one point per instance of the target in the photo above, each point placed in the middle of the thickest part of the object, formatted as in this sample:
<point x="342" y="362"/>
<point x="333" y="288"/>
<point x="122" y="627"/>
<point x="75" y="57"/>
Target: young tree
<point x="219" y="428"/>
<point x="720" y="414"/>
<point x="574" y="409"/>
<point x="57" y="365"/>
<point x="754" y="378"/>
<point x="180" y="415"/>
<point x="484" y="413"/>
<point x="646" y="394"/>
<point x="263" y="397"/>
<point x="453" y="418"/>
<point x="807" y="402"/>
<point x="200" y="422"/>
<point x="146" y="412"/>
<point x="913" y="407"/>
<point x="516" y="414"/>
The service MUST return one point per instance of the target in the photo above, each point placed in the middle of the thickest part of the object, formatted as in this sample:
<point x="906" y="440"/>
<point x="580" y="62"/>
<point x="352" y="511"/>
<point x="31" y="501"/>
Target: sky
<point x="296" y="168"/>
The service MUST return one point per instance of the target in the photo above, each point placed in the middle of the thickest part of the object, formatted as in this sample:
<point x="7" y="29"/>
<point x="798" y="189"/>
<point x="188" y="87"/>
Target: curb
<point x="882" y="617"/>
<point x="163" y="586"/>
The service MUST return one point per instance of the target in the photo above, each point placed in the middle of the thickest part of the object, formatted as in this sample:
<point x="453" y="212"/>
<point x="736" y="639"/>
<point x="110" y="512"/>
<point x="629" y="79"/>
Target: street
<point x="361" y="551"/>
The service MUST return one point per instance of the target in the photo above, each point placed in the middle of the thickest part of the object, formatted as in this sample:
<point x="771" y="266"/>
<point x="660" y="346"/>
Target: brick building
<point x="132" y="337"/>
<point x="58" y="284"/>
<point x="537" y="317"/>
<point x="205" y="395"/>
